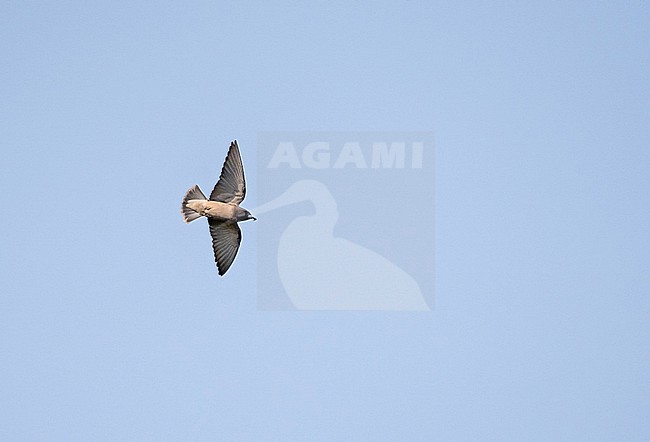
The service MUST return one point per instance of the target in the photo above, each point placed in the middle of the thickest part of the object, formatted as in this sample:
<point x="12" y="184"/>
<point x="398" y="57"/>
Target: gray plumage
<point x="222" y="209"/>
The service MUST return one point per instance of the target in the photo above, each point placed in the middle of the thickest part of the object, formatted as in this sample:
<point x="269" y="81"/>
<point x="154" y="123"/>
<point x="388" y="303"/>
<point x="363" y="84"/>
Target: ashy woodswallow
<point x="222" y="209"/>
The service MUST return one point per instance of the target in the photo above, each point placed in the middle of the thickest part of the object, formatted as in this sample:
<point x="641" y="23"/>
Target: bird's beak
<point x="253" y="218"/>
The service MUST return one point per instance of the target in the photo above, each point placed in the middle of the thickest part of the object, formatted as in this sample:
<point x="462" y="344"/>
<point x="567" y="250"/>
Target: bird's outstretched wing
<point x="231" y="187"/>
<point x="226" y="238"/>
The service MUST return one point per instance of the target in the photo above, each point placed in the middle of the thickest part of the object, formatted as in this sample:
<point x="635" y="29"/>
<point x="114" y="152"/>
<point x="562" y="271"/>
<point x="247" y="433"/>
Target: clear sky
<point x="114" y="325"/>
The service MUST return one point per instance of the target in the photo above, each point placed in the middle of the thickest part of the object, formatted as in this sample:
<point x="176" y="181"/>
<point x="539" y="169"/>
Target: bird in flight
<point x="222" y="209"/>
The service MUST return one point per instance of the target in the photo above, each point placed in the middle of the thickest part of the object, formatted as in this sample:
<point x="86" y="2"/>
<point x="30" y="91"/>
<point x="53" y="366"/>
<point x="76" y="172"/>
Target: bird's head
<point x="244" y="215"/>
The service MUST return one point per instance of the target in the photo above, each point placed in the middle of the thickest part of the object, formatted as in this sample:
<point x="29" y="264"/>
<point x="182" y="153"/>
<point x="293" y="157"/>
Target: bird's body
<point x="222" y="209"/>
<point x="217" y="210"/>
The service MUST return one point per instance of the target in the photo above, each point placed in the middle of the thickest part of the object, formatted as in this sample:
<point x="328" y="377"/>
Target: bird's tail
<point x="194" y="193"/>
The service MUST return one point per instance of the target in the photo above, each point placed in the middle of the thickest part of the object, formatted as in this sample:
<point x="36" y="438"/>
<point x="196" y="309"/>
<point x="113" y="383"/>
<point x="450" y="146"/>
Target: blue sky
<point x="114" y="325"/>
